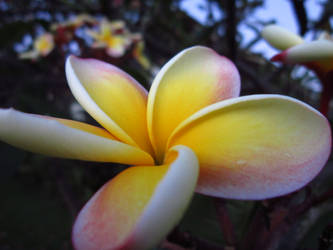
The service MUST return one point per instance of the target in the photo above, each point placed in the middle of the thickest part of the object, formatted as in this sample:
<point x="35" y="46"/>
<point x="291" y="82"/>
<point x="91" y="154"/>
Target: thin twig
<point x="225" y="222"/>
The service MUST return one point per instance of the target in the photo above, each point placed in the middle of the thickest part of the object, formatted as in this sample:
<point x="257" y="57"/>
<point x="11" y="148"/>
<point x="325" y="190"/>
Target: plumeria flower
<point x="109" y="37"/>
<point x="316" y="55"/>
<point x="42" y="46"/>
<point x="251" y="147"/>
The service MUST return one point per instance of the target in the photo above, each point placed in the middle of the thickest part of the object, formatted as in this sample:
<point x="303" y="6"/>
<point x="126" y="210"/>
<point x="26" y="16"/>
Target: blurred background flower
<point x="316" y="55"/>
<point x="42" y="46"/>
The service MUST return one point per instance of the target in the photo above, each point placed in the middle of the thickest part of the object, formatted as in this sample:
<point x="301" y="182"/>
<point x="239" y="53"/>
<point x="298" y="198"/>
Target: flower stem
<point x="326" y="79"/>
<point x="225" y="222"/>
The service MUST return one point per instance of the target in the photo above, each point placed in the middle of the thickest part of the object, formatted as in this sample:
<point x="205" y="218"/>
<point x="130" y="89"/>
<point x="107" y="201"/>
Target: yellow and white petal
<point x="32" y="54"/>
<point x="116" y="51"/>
<point x="66" y="139"/>
<point x="307" y="52"/>
<point x="117" y="25"/>
<point x="320" y="52"/>
<point x="279" y="37"/>
<point x="137" y="208"/>
<point x="116" y="46"/>
<point x="193" y="79"/>
<point x="111" y="97"/>
<point x="105" y="28"/>
<point x="44" y="44"/>
<point x="256" y="147"/>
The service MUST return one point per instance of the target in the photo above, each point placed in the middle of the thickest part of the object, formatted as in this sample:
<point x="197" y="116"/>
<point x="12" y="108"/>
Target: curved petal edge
<point x="66" y="138"/>
<point x="112" y="97"/>
<point x="256" y="147"/>
<point x="193" y="79"/>
<point x="279" y="37"/>
<point x="140" y="206"/>
<point x="319" y="50"/>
